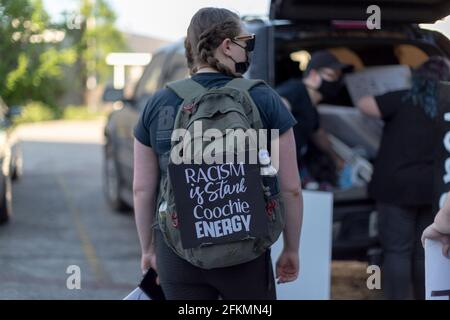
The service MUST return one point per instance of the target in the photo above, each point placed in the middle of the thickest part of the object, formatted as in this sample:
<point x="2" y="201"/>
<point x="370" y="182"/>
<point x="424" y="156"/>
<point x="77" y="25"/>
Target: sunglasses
<point x="248" y="39"/>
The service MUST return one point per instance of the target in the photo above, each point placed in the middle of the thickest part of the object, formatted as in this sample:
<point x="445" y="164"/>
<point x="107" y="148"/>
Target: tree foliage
<point x="40" y="60"/>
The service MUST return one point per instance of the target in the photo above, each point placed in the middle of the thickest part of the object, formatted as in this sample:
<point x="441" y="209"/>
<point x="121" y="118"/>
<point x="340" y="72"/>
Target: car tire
<point x="5" y="200"/>
<point x="112" y="181"/>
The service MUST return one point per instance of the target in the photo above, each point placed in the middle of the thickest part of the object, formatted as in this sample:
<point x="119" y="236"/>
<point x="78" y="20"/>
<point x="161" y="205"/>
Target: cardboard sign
<point x="437" y="267"/>
<point x="437" y="272"/>
<point x="442" y="138"/>
<point x="218" y="203"/>
<point x="313" y="282"/>
<point x="375" y="81"/>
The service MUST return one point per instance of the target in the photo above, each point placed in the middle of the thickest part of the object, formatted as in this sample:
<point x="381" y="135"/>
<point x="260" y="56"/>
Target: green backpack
<point x="228" y="107"/>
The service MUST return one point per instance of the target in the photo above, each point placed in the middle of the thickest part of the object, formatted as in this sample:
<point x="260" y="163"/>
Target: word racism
<point x="221" y="146"/>
<point x="217" y="203"/>
<point x="213" y="184"/>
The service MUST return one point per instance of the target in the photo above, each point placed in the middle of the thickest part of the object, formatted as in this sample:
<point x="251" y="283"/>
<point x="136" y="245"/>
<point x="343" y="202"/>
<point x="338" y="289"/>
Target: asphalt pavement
<point x="61" y="219"/>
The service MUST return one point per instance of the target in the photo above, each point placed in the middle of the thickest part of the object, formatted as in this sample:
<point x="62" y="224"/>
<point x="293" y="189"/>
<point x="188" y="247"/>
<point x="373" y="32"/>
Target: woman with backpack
<point x="217" y="48"/>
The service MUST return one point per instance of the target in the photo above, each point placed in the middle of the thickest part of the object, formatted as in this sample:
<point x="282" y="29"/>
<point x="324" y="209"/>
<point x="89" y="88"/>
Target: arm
<point x="145" y="183"/>
<point x="321" y="140"/>
<point x="442" y="219"/>
<point x="369" y="106"/>
<point x="440" y="229"/>
<point x="290" y="186"/>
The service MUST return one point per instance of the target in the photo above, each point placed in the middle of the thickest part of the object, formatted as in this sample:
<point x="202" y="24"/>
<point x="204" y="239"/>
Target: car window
<point x="177" y="68"/>
<point x="178" y="74"/>
<point x="150" y="81"/>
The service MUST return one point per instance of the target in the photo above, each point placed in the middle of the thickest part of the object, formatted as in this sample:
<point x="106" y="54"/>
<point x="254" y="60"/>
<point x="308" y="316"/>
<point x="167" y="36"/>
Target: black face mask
<point x="330" y="89"/>
<point x="241" y="67"/>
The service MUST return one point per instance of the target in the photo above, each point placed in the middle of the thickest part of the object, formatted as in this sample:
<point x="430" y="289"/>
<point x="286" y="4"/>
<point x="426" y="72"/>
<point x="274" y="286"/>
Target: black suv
<point x="298" y="27"/>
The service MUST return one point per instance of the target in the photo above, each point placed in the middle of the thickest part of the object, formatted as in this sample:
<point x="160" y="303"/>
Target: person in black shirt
<point x="402" y="181"/>
<point x="217" y="49"/>
<point x="323" y="79"/>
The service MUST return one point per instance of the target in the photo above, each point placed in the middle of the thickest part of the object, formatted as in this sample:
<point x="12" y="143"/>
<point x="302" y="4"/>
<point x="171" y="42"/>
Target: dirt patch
<point x="348" y="281"/>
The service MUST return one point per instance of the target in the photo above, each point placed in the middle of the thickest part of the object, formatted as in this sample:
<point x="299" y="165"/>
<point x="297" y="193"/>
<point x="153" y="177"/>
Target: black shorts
<point x="181" y="280"/>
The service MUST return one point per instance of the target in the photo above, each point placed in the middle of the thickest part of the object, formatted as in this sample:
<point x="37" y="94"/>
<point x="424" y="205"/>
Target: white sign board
<point x="375" y="81"/>
<point x="313" y="282"/>
<point x="437" y="272"/>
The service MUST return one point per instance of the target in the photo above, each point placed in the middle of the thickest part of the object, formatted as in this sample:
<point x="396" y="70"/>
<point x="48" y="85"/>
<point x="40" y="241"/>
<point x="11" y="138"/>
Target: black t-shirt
<point x="403" y="172"/>
<point x="303" y="111"/>
<point x="155" y="124"/>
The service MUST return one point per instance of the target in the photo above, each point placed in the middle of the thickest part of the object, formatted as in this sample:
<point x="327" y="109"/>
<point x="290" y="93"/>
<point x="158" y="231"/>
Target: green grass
<point x="81" y="113"/>
<point x="38" y="112"/>
<point x="35" y="112"/>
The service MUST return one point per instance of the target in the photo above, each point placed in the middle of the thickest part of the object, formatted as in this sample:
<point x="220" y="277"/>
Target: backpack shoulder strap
<point x="186" y="89"/>
<point x="245" y="85"/>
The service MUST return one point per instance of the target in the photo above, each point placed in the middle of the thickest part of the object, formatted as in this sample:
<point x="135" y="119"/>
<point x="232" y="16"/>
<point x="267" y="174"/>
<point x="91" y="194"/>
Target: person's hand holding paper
<point x="439" y="230"/>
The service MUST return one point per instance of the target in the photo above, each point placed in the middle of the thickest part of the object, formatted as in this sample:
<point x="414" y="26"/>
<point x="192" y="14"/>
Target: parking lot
<point x="61" y="219"/>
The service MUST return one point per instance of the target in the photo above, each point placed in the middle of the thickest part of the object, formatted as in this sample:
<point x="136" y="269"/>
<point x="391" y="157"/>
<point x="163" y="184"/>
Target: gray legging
<point x="180" y="280"/>
<point x="403" y="270"/>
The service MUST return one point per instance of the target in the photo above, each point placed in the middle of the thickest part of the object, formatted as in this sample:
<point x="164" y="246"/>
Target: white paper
<point x="137" y="294"/>
<point x="437" y="272"/>
<point x="375" y="81"/>
<point x="313" y="282"/>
